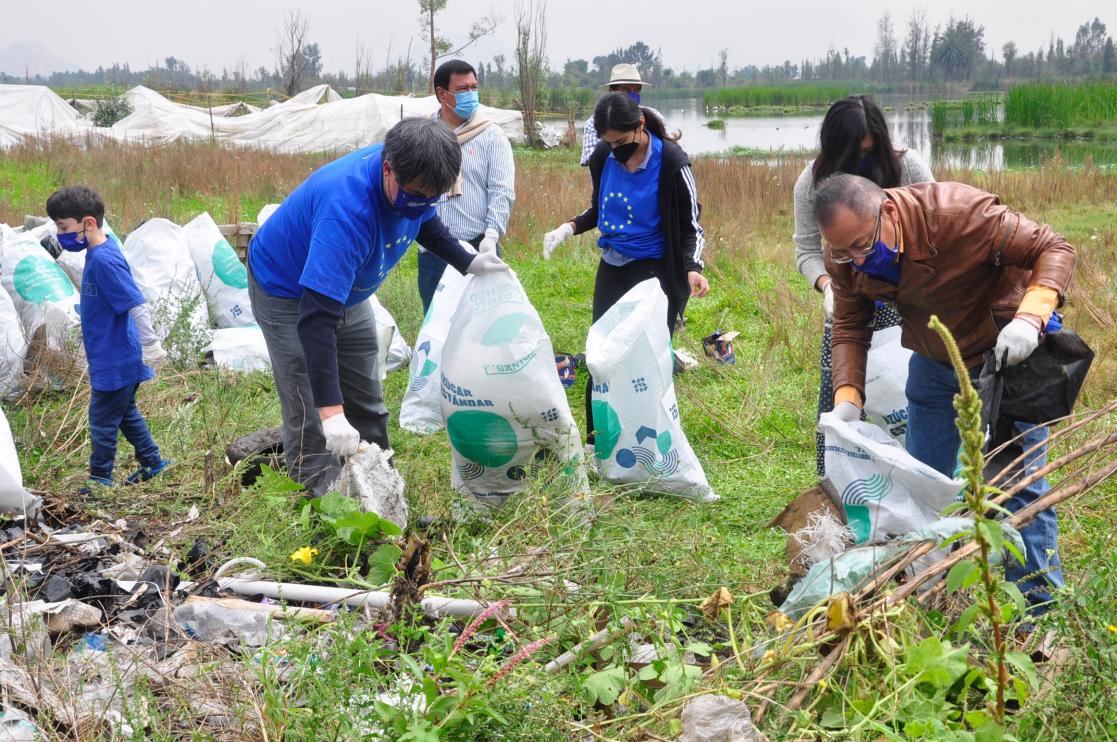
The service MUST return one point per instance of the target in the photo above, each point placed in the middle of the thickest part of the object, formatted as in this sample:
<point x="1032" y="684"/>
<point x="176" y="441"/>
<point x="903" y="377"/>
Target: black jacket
<point x="678" y="208"/>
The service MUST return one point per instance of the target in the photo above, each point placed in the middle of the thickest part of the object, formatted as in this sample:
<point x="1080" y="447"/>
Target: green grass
<point x="777" y="96"/>
<point x="1062" y="105"/>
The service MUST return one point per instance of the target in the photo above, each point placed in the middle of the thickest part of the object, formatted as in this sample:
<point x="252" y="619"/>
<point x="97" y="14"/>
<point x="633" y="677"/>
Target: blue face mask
<point x="635" y="97"/>
<point x="413" y="206"/>
<point x="881" y="263"/>
<point x="865" y="166"/>
<point x="73" y="241"/>
<point x="466" y="103"/>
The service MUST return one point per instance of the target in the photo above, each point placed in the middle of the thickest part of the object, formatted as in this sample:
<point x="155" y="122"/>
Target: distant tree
<point x="885" y="52"/>
<point x="650" y="63"/>
<point x="531" y="60"/>
<point x="290" y="52"/>
<point x="1108" y="58"/>
<point x="441" y="47"/>
<point x="172" y="64"/>
<point x="1008" y="52"/>
<point x="958" y="48"/>
<point x="723" y="66"/>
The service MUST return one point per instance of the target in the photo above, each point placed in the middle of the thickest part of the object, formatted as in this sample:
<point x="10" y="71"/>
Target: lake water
<point x="909" y="129"/>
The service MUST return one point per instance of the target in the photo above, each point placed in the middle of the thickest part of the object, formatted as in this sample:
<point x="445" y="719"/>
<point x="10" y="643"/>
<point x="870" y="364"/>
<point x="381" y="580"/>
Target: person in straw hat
<point x="625" y="78"/>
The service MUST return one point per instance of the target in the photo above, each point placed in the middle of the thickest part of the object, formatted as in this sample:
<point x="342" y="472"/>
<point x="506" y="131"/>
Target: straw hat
<point x="625" y="74"/>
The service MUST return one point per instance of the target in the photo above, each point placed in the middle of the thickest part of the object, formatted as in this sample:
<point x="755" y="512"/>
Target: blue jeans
<point x="933" y="438"/>
<point x="114" y="411"/>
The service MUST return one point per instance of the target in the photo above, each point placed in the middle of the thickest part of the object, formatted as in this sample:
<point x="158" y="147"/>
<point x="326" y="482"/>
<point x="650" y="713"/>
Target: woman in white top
<point x="854" y="139"/>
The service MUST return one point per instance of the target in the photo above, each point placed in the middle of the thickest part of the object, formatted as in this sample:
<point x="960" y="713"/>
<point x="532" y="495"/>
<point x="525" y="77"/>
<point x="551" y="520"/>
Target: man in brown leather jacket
<point x="992" y="276"/>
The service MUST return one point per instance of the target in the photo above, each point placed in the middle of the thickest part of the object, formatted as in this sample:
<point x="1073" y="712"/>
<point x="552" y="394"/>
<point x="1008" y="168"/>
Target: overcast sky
<point x="217" y="33"/>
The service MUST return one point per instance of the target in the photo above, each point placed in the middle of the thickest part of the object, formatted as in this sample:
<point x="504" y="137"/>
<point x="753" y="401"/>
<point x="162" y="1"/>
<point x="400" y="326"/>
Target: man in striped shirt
<point x="476" y="209"/>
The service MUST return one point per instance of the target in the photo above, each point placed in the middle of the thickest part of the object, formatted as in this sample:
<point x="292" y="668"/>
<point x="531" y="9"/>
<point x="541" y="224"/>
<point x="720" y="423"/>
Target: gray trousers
<point x="304" y="446"/>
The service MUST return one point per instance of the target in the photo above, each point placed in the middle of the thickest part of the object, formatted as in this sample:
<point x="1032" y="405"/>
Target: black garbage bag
<point x="1039" y="389"/>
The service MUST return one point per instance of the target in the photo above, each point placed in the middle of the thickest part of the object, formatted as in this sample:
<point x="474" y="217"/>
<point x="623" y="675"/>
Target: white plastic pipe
<point x="324" y="595"/>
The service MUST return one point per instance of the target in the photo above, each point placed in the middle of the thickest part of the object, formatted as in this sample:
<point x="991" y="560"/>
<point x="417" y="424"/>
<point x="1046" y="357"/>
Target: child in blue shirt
<point x="121" y="346"/>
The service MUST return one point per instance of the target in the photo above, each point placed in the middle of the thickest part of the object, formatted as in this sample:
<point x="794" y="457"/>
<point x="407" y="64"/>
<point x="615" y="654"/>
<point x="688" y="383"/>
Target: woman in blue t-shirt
<point x="645" y="206"/>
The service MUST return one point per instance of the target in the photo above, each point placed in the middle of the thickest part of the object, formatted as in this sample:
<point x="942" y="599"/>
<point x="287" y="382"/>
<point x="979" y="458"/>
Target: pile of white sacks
<point x="192" y="278"/>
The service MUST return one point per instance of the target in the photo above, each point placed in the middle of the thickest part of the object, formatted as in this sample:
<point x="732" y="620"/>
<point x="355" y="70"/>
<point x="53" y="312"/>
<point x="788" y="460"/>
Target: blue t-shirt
<point x="628" y="210"/>
<point x="112" y="344"/>
<point x="335" y="234"/>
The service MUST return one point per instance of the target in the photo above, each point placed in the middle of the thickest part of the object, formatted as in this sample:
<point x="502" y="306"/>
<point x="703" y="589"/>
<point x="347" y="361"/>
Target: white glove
<point x="489" y="243"/>
<point x="1016" y="342"/>
<point x="154" y="355"/>
<point x="342" y="439"/>
<point x="828" y="299"/>
<point x="486" y="262"/>
<point x="556" y="237"/>
<point x="847" y="412"/>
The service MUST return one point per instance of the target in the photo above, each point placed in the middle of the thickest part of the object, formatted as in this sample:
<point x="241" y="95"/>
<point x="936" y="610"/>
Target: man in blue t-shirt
<point x="312" y="267"/>
<point x="121" y="346"/>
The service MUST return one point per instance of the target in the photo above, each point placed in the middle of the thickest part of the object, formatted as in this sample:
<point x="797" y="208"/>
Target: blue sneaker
<point x="144" y="473"/>
<point x="94" y="482"/>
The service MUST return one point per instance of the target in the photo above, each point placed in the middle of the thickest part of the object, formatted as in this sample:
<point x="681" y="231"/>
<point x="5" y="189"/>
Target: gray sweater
<point x="808" y="239"/>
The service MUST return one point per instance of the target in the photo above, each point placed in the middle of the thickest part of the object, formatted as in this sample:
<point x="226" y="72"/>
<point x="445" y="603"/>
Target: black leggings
<point x="612" y="283"/>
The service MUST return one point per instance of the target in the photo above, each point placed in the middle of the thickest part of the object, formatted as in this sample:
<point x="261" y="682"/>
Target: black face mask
<point x="624" y="152"/>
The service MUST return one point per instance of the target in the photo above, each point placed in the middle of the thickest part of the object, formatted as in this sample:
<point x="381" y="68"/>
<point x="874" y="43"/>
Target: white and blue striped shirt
<point x="488" y="187"/>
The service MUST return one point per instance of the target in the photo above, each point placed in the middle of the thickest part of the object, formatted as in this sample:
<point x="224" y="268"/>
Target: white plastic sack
<point x="638" y="438"/>
<point x="223" y="277"/>
<point x="265" y="214"/>
<point x="886" y="377"/>
<point x="501" y="397"/>
<point x="164" y="271"/>
<point x="394" y="350"/>
<point x="42" y="294"/>
<point x="240" y="349"/>
<point x="421" y="411"/>
<point x="13" y="346"/>
<point x="884" y="489"/>
<point x="14" y="499"/>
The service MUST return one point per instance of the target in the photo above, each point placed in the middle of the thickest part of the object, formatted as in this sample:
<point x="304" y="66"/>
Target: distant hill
<point x="27" y="57"/>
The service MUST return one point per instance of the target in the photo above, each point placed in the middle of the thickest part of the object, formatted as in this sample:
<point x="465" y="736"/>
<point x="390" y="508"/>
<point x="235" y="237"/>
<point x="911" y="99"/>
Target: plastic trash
<point x="211" y="621"/>
<point x="719" y="346"/>
<point x="369" y="476"/>
<point x="16" y="726"/>
<point x="716" y="718"/>
<point x="638" y="435"/>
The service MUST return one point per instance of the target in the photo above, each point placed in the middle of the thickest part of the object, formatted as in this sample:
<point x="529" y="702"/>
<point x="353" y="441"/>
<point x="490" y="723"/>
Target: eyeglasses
<point x="854" y="252"/>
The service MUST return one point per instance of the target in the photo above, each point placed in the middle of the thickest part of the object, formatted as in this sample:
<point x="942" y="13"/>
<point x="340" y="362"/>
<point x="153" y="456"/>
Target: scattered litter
<point x="719" y="346"/>
<point x="223" y="623"/>
<point x="716" y="718"/>
<point x="369" y="476"/>
<point x="823" y="537"/>
<point x="16" y="726"/>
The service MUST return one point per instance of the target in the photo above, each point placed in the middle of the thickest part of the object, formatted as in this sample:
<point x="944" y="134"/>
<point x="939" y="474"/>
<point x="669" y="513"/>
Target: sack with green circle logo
<point x="223" y="276"/>
<point x="884" y="490"/>
<point x="505" y="409"/>
<point x="421" y="411"/>
<point x="638" y="438"/>
<point x="45" y="300"/>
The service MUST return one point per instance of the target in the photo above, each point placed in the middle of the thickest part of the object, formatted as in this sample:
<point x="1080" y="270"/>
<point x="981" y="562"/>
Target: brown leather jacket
<point x="966" y="258"/>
